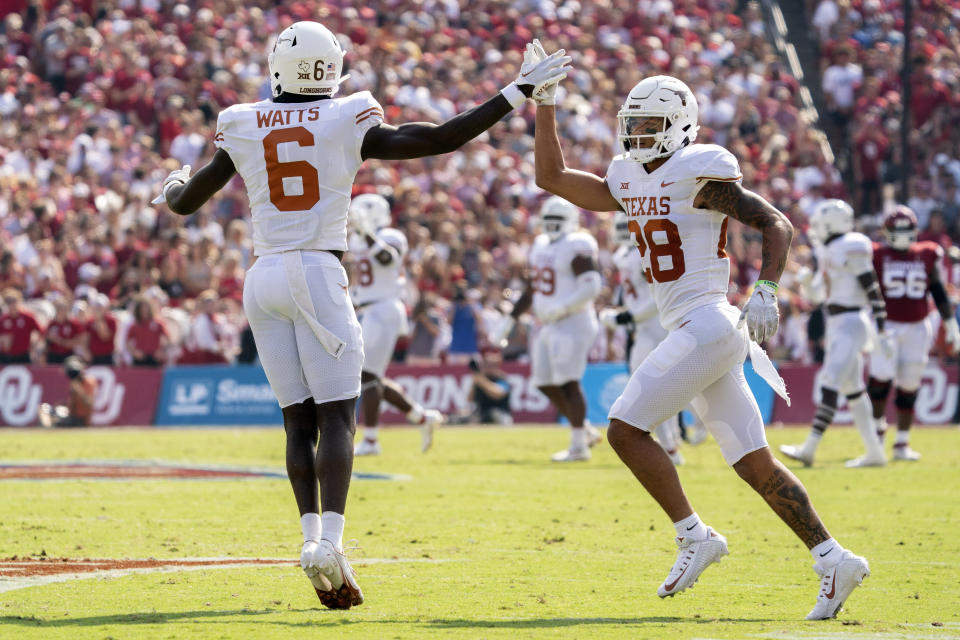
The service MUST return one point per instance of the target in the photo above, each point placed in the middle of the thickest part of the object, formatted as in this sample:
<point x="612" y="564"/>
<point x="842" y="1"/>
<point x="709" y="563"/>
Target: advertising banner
<point x="124" y="396"/>
<point x="936" y="399"/>
<point x="216" y="395"/>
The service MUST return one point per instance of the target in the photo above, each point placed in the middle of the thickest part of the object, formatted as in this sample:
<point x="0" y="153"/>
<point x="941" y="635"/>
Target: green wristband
<point x="769" y="283"/>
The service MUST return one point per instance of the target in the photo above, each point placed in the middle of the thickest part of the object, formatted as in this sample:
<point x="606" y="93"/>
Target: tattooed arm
<point x="752" y="210"/>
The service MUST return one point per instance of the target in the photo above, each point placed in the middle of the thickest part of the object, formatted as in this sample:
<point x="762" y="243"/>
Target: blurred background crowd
<point x="100" y="99"/>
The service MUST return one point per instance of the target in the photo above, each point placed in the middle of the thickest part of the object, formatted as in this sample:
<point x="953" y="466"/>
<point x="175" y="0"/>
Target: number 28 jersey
<point x="298" y="161"/>
<point x="682" y="246"/>
<point x="374" y="281"/>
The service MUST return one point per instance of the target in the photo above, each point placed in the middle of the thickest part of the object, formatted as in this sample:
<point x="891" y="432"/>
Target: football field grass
<point x="482" y="537"/>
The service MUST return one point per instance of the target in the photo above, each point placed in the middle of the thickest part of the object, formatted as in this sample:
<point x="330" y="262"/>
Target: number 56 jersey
<point x="682" y="246"/>
<point x="298" y="161"/>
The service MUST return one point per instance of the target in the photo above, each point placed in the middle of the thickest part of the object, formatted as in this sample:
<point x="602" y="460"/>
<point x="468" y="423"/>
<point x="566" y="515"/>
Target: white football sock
<point x="862" y="412"/>
<point x="827" y="553"/>
<point x="371" y="433"/>
<point x="813" y="440"/>
<point x="903" y="437"/>
<point x="333" y="528"/>
<point x="691" y="527"/>
<point x="310" y="524"/>
<point x="578" y="438"/>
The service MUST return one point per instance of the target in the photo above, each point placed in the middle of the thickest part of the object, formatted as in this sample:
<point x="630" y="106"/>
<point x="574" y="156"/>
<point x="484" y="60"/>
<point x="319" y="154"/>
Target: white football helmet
<point x="307" y="59"/>
<point x="621" y="230"/>
<point x="558" y="217"/>
<point x="830" y="218"/>
<point x="369" y="212"/>
<point x="658" y="97"/>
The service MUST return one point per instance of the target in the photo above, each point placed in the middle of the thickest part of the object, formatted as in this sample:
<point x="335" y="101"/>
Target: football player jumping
<point x="378" y="280"/>
<point x="908" y="270"/>
<point x="562" y="284"/>
<point x="298" y="154"/>
<point x="845" y="269"/>
<point x="679" y="197"/>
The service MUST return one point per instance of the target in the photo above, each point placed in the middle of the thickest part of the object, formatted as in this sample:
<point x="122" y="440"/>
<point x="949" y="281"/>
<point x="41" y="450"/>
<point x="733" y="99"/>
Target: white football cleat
<point x="798" y="453"/>
<point x="904" y="452"/>
<point x="367" y="448"/>
<point x="836" y="584"/>
<point x="594" y="436"/>
<point x="431" y="420"/>
<point x="330" y="574"/>
<point x="867" y="460"/>
<point x="693" y="557"/>
<point x="571" y="455"/>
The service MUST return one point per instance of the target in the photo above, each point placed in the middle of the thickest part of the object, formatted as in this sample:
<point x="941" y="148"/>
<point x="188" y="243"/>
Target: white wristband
<point x="513" y="95"/>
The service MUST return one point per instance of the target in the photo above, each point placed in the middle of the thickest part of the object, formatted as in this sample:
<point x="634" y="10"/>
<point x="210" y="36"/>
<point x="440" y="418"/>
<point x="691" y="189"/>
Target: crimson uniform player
<point x="907" y="271"/>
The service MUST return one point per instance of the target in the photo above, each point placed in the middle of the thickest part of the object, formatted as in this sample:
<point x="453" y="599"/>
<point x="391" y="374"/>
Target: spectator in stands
<point x="101" y="331"/>
<point x="427" y="334"/>
<point x="208" y="343"/>
<point x="147" y="338"/>
<point x="464" y="320"/>
<point x="64" y="334"/>
<point x="20" y="333"/>
<point x="840" y="82"/>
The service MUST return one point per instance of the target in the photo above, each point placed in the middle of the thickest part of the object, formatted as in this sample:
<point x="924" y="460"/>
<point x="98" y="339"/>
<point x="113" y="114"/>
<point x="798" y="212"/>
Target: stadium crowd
<point x="95" y="94"/>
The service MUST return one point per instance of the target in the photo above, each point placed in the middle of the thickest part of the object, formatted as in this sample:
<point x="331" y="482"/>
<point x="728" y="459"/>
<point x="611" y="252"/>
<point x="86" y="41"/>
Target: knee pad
<point x="878" y="389"/>
<point x="904" y="400"/>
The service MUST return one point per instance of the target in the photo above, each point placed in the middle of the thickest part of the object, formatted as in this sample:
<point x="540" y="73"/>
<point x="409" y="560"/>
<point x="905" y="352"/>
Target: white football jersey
<point x="298" y="161"/>
<point x="551" y="274"/>
<point x="372" y="280"/>
<point x="843" y="259"/>
<point x="636" y="289"/>
<point x="682" y="247"/>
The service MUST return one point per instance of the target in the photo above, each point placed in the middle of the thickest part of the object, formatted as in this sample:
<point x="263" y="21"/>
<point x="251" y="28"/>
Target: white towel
<point x="297" y="281"/>
<point x="766" y="370"/>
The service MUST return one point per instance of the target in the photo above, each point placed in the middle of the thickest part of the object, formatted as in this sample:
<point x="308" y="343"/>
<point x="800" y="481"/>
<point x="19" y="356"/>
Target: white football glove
<point x="608" y="318"/>
<point x="541" y="71"/>
<point x="544" y="95"/>
<point x="360" y="223"/>
<point x="951" y="333"/>
<point x="552" y="314"/>
<point x="761" y="313"/>
<point x="498" y="337"/>
<point x="178" y="176"/>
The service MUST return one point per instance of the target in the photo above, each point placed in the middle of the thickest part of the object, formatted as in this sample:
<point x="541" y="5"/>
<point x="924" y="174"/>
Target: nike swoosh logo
<point x="690" y="528"/>
<point x="669" y="587"/>
<point x="666" y="184"/>
<point x="681" y="327"/>
<point x="833" y="585"/>
<point x="825" y="553"/>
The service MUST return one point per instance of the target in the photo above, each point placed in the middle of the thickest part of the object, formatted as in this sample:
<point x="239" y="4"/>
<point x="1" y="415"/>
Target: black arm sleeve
<point x="940" y="299"/>
<point x="419" y="139"/>
<point x="868" y="280"/>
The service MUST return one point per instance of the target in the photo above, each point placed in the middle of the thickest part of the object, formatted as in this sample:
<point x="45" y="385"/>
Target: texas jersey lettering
<point x="682" y="247"/>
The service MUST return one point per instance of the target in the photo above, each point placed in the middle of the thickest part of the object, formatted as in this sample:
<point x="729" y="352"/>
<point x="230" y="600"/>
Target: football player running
<point x="679" y="197"/>
<point x="562" y="283"/>
<point x="378" y="279"/>
<point x="845" y="268"/>
<point x="639" y="311"/>
<point x="907" y="270"/>
<point x="298" y="154"/>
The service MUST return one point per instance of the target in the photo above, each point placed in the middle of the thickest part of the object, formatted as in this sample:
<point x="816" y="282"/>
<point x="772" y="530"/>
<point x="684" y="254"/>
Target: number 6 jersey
<point x="682" y="246"/>
<point x="298" y="161"/>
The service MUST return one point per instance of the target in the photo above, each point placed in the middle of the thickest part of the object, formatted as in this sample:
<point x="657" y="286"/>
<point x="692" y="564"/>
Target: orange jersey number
<point x="277" y="171"/>
<point x="671" y="248"/>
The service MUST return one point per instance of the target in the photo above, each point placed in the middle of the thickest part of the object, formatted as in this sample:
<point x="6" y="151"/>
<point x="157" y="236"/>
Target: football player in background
<point x="378" y="280"/>
<point x="907" y="270"/>
<point x="639" y="311"/>
<point x="563" y="282"/>
<point x="298" y="154"/>
<point x="679" y="197"/>
<point x="845" y="270"/>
